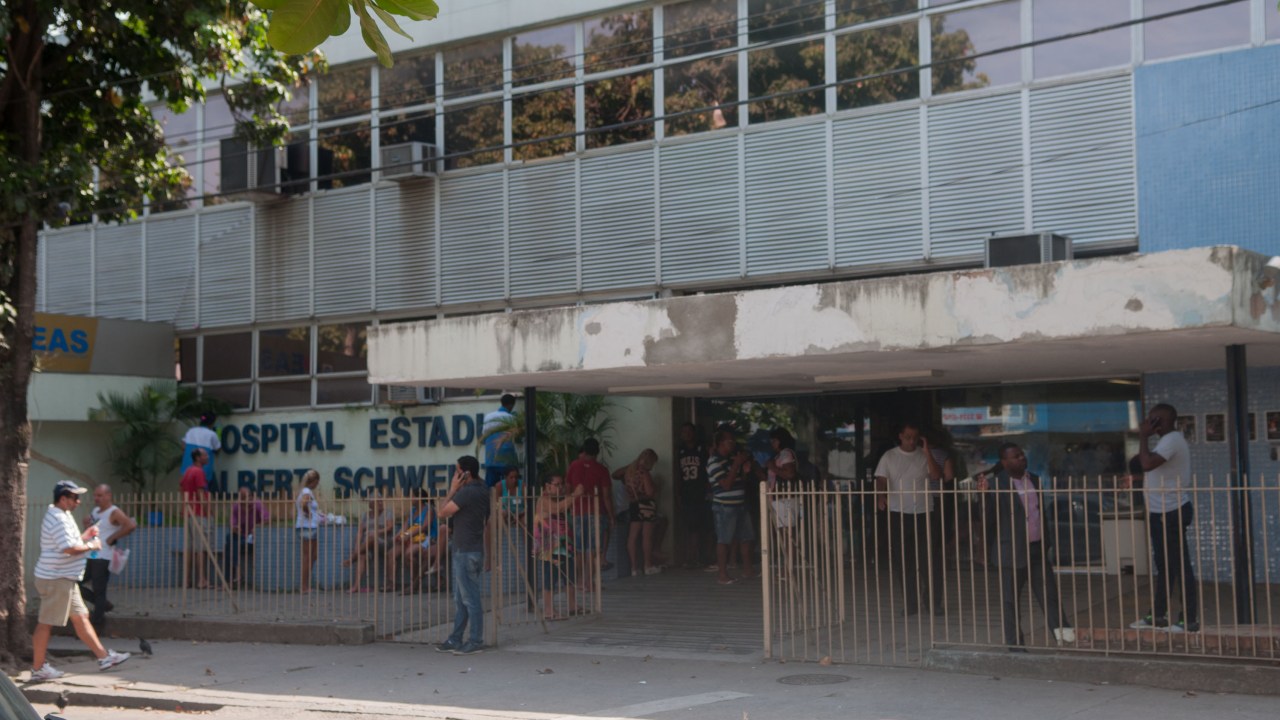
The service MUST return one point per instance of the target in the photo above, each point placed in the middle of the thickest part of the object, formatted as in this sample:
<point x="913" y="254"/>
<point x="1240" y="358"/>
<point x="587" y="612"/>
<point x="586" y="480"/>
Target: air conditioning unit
<point x="408" y="161"/>
<point x="251" y="173"/>
<point x="1006" y="250"/>
<point x="412" y="395"/>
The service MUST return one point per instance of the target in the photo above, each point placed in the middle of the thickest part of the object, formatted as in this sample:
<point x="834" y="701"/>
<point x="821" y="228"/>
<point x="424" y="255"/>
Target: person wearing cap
<point x="63" y="550"/>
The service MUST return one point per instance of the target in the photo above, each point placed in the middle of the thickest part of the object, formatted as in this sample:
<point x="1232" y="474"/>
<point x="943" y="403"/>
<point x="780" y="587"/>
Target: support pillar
<point x="1241" y="515"/>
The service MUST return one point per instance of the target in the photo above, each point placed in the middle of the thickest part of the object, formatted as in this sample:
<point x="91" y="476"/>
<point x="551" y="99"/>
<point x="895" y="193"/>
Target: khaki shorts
<point x="59" y="600"/>
<point x="192" y="540"/>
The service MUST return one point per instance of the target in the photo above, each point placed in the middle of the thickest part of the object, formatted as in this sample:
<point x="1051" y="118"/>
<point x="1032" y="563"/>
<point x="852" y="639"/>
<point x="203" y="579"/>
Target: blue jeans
<point x="467" y="568"/>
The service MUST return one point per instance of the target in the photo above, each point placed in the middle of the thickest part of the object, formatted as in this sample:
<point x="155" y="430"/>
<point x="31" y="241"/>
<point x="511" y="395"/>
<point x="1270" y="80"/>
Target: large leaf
<point x="299" y="26"/>
<point x="372" y="34"/>
<point x="390" y="20"/>
<point x="412" y="9"/>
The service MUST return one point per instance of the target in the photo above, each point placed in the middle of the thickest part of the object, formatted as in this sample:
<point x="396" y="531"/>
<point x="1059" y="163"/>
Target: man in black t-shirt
<point x="694" y="511"/>
<point x="466" y="507"/>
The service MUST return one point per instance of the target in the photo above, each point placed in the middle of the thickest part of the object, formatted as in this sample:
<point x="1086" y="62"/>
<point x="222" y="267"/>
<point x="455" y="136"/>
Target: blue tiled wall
<point x="1200" y="393"/>
<point x="1208" y="132"/>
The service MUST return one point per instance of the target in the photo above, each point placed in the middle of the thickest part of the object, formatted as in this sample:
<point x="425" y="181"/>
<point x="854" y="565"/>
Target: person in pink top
<point x="195" y="500"/>
<point x="588" y="473"/>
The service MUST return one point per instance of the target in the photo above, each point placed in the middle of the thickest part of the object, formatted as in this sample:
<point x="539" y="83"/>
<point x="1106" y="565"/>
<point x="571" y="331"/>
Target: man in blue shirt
<point x="499" y="449"/>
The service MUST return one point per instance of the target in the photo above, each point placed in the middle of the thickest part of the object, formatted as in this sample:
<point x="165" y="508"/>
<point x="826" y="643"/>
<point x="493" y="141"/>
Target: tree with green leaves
<point x="299" y="26"/>
<point x="77" y="140"/>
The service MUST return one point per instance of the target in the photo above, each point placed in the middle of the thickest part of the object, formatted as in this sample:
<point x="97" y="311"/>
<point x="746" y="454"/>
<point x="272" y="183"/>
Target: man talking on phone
<point x="466" y="507"/>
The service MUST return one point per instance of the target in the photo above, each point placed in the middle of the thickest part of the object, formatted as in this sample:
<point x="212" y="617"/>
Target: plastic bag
<point x="119" y="557"/>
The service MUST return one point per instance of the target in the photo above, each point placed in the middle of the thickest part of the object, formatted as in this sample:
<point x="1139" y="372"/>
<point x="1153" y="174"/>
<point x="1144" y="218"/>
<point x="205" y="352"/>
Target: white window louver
<point x="117" y="287"/>
<point x="226" y="254"/>
<point x="700" y="214"/>
<point x="975" y="173"/>
<point x="69" y="271"/>
<point x="282" y="260"/>
<point x="1082" y="161"/>
<point x="543" y="230"/>
<point x="877" y="189"/>
<point x="405" y="245"/>
<point x="171" y="271"/>
<point x="618" y="221"/>
<point x="787" y="200"/>
<point x="471" y="243"/>
<point x="342" y="253"/>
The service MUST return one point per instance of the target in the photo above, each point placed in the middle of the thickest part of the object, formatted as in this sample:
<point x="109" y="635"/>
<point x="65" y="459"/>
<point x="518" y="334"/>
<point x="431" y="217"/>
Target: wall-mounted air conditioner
<point x="251" y="173"/>
<point x="412" y="395"/>
<point x="1006" y="250"/>
<point x="408" y="161"/>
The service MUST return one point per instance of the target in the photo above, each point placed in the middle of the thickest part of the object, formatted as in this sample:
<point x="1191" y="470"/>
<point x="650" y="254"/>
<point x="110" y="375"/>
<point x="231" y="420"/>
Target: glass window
<point x="618" y="41"/>
<point x="542" y="55"/>
<point x="179" y="128"/>
<point x="785" y="70"/>
<point x="284" y="394"/>
<point x="966" y="32"/>
<point x="853" y="12"/>
<point x="297" y="108"/>
<point x="1059" y="17"/>
<point x="212" y="172"/>
<point x="540" y="115"/>
<point x="472" y="69"/>
<point x="343" y="93"/>
<point x="699" y="26"/>
<point x="296" y="174"/>
<point x="342" y="348"/>
<point x="343" y="391"/>
<point x="397" y="128"/>
<point x="284" y="352"/>
<point x="469" y="130"/>
<point x="699" y="88"/>
<point x="344" y="152"/>
<point x="411" y="81"/>
<point x="184" y="350"/>
<point x="872" y="52"/>
<point x="228" y="357"/>
<point x="618" y="100"/>
<point x="769" y="20"/>
<point x="218" y="120"/>
<point x="1218" y="27"/>
<point x="238" y="396"/>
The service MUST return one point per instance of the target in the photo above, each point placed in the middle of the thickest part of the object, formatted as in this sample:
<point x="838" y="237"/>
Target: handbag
<point x="119" y="557"/>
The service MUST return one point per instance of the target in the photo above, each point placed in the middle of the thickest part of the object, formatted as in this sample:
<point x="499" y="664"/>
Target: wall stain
<point x="703" y="332"/>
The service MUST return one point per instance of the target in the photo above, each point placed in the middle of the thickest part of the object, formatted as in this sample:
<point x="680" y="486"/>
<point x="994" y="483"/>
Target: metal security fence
<point x="848" y="581"/>
<point x="380" y="560"/>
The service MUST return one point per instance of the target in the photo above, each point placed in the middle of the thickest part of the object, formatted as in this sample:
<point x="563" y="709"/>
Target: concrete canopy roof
<point x="1104" y="317"/>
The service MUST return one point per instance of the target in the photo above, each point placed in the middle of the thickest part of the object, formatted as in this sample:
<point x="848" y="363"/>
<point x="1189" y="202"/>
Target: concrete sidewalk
<point x="412" y="681"/>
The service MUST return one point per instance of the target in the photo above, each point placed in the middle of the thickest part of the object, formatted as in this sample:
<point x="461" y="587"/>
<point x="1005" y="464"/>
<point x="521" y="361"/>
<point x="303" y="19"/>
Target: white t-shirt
<point x="1163" y="487"/>
<point x="204" y="437"/>
<point x="307" y="499"/>
<point x="908" y="475"/>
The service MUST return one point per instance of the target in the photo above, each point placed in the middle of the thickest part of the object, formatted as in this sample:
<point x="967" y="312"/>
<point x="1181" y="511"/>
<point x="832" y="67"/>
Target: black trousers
<point x="914" y="551"/>
<point x="1169" y="537"/>
<point x="1044" y="585"/>
<point x="97" y="573"/>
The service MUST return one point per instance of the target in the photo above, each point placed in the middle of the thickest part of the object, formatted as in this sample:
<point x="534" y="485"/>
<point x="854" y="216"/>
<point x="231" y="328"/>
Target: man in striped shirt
<point x="58" y="573"/>
<point x="725" y="470"/>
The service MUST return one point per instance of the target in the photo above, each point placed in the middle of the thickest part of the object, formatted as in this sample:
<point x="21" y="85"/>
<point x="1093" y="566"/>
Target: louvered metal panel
<point x="405" y="246"/>
<point x="878" y="201"/>
<point x="975" y="173"/>
<point x="787" y="200"/>
<point x="69" y="271"/>
<point x="226" y="256"/>
<point x="171" y="271"/>
<point x="1082" y="161"/>
<point x="700" y="215"/>
<point x="342" y="252"/>
<point x="282" y="260"/>
<point x="618" y="221"/>
<point x="471" y="243"/>
<point x="117" y="252"/>
<point x="543" y="230"/>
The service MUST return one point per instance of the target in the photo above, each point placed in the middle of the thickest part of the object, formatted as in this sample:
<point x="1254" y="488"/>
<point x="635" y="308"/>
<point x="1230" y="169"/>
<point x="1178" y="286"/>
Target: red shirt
<point x="194" y="488"/>
<point x="593" y="477"/>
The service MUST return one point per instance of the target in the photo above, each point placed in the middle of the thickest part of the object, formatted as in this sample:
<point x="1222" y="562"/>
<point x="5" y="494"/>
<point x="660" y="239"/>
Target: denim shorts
<point x="584" y="532"/>
<point x="732" y="524"/>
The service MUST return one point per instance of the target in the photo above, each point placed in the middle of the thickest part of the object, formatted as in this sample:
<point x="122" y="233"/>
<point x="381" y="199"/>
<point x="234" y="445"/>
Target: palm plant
<point x="144" y="445"/>
<point x="564" y="422"/>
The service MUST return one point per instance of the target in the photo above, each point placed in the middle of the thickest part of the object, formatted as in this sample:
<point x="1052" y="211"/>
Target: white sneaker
<point x="46" y="672"/>
<point x="112" y="659"/>
<point x="652" y="570"/>
<point x="1065" y="636"/>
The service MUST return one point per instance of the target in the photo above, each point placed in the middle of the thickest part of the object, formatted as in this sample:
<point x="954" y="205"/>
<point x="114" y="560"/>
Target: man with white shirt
<point x="902" y="483"/>
<point x="1167" y="474"/>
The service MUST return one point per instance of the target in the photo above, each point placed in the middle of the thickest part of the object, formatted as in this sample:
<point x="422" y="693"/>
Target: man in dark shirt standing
<point x="694" y="513"/>
<point x="466" y="507"/>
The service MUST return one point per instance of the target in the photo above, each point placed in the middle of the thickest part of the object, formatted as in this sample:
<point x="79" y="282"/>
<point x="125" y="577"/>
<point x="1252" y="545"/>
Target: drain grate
<point x="815" y="679"/>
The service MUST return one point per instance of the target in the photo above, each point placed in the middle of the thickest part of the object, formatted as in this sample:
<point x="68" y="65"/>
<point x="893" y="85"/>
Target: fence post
<point x="765" y="575"/>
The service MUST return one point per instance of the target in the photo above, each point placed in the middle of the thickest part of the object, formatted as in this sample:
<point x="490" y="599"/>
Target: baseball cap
<point x="66" y="487"/>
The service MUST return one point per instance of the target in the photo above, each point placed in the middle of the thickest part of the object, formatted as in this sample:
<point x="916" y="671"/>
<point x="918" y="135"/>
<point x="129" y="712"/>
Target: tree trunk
<point x="21" y="122"/>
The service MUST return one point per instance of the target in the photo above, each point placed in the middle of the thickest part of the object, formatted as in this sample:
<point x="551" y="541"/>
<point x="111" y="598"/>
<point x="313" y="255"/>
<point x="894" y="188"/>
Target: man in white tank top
<point x="113" y="526"/>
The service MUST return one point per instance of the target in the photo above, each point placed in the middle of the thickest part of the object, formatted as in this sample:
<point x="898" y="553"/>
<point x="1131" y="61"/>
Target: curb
<point x="277" y="633"/>
<point x="81" y="698"/>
